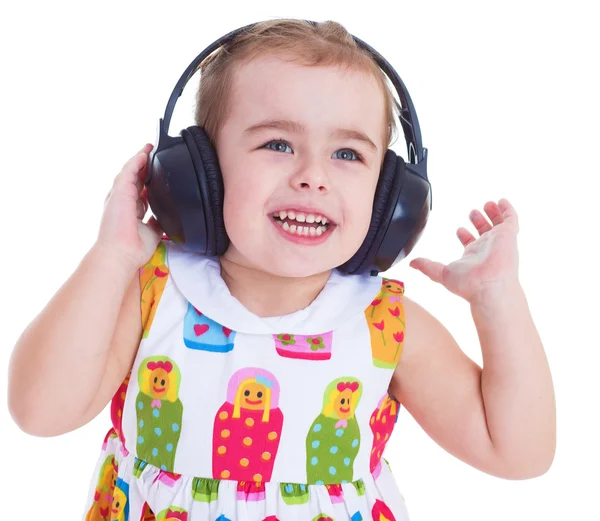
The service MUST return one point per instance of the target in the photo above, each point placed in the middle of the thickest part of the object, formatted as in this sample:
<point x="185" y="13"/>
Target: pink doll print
<point x="382" y="424"/>
<point x="247" y="427"/>
<point x="381" y="512"/>
<point x="304" y="347"/>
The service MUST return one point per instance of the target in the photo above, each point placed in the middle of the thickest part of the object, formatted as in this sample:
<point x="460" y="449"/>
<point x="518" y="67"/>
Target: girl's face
<point x="300" y="154"/>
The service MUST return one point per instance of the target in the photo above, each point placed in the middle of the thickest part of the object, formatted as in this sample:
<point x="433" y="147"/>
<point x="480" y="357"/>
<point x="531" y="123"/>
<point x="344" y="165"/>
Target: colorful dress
<point x="227" y="416"/>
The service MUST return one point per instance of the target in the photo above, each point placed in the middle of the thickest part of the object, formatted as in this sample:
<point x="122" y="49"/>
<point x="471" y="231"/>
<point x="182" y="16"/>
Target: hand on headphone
<point x="122" y="229"/>
<point x="489" y="262"/>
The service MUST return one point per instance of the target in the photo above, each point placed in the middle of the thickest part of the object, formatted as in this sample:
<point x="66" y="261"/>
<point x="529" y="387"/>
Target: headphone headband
<point x="417" y="155"/>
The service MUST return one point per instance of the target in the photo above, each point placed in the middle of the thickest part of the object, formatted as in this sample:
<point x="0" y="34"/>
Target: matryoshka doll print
<point x="116" y="411"/>
<point x="105" y="488"/>
<point x="333" y="440"/>
<point x="204" y="334"/>
<point x="159" y="411"/>
<point x="381" y="512"/>
<point x="382" y="424"/>
<point x="153" y="280"/>
<point x="247" y="427"/>
<point x="120" y="504"/>
<point x="172" y="514"/>
<point x="304" y="347"/>
<point x="385" y="317"/>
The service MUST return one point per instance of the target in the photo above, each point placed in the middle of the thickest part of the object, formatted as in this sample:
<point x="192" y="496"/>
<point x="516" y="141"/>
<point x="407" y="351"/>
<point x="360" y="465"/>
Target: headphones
<point x="185" y="185"/>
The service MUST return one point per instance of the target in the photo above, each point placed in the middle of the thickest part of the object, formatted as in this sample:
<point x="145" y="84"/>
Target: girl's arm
<point x="71" y="359"/>
<point x="73" y="356"/>
<point x="501" y="419"/>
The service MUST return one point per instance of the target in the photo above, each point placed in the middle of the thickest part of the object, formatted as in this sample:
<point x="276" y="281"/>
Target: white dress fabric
<point x="227" y="416"/>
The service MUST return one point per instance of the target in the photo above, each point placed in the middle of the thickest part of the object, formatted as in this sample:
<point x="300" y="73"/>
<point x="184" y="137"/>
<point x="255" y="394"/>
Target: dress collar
<point x="199" y="279"/>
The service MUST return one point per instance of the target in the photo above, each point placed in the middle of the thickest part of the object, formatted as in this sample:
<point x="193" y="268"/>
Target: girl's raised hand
<point x="122" y="230"/>
<point x="489" y="261"/>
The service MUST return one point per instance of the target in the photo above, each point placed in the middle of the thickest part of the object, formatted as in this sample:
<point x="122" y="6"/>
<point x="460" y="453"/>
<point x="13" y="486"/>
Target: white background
<point x="507" y="97"/>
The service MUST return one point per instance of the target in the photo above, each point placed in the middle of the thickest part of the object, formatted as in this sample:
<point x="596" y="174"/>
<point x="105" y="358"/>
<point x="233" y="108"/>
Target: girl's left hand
<point x="489" y="261"/>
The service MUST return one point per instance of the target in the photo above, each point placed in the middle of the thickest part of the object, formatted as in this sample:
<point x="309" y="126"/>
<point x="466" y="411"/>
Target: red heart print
<point x="200" y="329"/>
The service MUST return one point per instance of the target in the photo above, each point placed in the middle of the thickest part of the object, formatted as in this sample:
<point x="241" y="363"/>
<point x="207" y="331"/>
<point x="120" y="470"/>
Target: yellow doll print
<point x="105" y="489"/>
<point x="120" y="503"/>
<point x="153" y="279"/>
<point x="385" y="317"/>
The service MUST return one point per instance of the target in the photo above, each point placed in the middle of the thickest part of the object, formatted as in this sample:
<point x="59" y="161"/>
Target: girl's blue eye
<point x="347" y="152"/>
<point x="278" y="148"/>
<point x="281" y="146"/>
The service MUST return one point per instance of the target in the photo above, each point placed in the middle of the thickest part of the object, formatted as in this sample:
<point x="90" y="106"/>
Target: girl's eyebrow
<point x="297" y="128"/>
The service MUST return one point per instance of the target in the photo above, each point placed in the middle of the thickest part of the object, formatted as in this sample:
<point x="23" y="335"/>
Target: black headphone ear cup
<point x="385" y="193"/>
<point x="210" y="182"/>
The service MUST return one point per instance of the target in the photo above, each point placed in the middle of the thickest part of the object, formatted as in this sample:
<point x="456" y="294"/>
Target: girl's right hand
<point x="122" y="230"/>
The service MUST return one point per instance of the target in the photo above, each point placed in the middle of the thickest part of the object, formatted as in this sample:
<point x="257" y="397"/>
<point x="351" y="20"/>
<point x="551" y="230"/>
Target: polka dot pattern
<point x="332" y="446"/>
<point x="245" y="443"/>
<point x="158" y="434"/>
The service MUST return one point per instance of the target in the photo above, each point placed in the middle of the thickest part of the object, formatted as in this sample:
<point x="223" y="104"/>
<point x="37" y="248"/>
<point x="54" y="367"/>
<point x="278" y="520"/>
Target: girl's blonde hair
<point x="326" y="44"/>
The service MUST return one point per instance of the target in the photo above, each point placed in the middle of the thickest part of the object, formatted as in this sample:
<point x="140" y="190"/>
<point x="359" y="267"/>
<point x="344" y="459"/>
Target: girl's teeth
<point x="301" y="217"/>
<point x="306" y="231"/>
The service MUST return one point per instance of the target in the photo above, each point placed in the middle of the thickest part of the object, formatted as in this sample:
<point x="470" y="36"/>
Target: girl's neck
<point x="268" y="295"/>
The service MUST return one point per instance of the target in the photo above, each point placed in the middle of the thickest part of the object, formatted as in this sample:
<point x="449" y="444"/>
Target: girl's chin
<point x="282" y="266"/>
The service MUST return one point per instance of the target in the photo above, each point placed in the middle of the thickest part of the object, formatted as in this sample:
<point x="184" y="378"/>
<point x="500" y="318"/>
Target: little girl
<point x="264" y="384"/>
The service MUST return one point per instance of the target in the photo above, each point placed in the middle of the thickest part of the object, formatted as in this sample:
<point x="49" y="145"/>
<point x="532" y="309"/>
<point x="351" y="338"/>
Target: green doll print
<point x="333" y="440"/>
<point x="159" y="411"/>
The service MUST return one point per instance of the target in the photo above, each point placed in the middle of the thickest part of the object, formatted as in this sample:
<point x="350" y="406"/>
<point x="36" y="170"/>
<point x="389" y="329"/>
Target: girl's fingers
<point x="132" y="168"/>
<point x="465" y="236"/>
<point x="480" y="222"/>
<point x="493" y="212"/>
